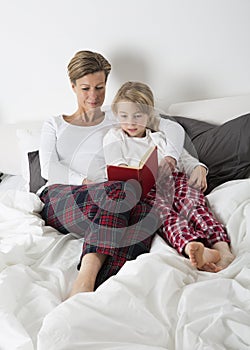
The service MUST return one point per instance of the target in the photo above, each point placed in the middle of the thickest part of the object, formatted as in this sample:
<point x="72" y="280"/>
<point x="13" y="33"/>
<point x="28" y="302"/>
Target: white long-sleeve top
<point x="71" y="153"/>
<point x="119" y="148"/>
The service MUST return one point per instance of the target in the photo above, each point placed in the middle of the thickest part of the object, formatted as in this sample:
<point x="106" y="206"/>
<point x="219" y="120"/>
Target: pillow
<point x="29" y="140"/>
<point x="225" y="148"/>
<point x="11" y="155"/>
<point x="36" y="180"/>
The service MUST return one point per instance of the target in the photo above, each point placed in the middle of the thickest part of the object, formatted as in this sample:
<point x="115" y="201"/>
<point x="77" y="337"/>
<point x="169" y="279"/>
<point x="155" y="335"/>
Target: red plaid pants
<point x="184" y="214"/>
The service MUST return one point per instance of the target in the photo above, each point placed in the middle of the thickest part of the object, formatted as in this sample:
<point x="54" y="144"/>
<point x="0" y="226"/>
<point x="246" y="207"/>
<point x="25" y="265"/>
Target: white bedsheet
<point x="36" y="267"/>
<point x="156" y="302"/>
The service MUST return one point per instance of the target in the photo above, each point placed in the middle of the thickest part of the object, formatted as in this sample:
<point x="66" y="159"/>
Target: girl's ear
<point x="153" y="122"/>
<point x="150" y="118"/>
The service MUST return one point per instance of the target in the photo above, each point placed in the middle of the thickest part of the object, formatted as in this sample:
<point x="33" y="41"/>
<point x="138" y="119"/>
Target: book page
<point x="146" y="156"/>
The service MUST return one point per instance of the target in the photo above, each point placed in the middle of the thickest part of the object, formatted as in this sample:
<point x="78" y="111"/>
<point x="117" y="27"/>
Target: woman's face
<point x="90" y="91"/>
<point x="132" y="120"/>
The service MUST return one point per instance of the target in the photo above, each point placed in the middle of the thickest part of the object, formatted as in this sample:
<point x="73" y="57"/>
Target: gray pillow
<point x="225" y="148"/>
<point x="36" y="179"/>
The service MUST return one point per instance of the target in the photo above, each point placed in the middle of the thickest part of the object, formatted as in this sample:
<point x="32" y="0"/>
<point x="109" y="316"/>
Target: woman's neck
<point x="89" y="118"/>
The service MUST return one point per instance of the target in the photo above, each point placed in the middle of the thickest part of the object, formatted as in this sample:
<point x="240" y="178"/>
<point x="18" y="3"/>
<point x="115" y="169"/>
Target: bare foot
<point x="90" y="266"/>
<point x="81" y="287"/>
<point x="210" y="267"/>
<point x="225" y="260"/>
<point x="201" y="257"/>
<point x="226" y="256"/>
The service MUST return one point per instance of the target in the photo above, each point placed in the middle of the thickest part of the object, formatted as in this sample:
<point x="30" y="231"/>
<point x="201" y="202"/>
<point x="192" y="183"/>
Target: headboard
<point x="15" y="139"/>
<point x="215" y="111"/>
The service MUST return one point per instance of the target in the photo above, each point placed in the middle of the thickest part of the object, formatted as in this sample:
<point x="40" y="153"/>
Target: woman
<point x="77" y="197"/>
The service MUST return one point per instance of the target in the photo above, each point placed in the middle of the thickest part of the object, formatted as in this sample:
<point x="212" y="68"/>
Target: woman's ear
<point x="73" y="87"/>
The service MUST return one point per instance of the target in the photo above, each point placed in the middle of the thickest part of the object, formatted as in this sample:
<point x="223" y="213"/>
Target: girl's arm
<point x="112" y="148"/>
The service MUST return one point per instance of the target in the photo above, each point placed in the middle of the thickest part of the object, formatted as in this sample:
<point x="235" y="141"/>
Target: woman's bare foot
<point x="90" y="266"/>
<point x="201" y="257"/>
<point x="226" y="256"/>
<point x="79" y="287"/>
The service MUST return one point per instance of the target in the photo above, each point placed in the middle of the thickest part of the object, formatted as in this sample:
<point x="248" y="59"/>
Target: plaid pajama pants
<point x="109" y="218"/>
<point x="184" y="215"/>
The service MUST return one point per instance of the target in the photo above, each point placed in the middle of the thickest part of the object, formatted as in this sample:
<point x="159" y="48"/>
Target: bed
<point x="156" y="302"/>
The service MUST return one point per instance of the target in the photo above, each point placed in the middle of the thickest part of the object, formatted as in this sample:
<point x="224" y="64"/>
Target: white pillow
<point x="10" y="154"/>
<point x="13" y="146"/>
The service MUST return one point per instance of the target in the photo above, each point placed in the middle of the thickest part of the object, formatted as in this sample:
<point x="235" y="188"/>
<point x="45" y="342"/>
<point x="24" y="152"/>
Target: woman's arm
<point x="198" y="178"/>
<point x="51" y="168"/>
<point x="174" y="134"/>
<point x="196" y="170"/>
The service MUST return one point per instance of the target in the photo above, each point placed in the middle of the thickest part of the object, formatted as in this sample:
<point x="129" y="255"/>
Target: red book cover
<point x="145" y="174"/>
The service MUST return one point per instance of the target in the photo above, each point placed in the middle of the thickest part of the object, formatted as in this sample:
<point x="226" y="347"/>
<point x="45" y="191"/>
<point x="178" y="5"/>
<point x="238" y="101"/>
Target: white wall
<point x="184" y="49"/>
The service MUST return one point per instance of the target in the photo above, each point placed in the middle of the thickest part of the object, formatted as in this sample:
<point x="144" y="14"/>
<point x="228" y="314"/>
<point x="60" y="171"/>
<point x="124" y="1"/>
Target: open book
<point x="145" y="174"/>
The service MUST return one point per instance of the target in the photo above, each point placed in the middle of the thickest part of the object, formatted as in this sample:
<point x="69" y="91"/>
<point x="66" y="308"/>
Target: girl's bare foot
<point x="226" y="256"/>
<point x="225" y="261"/>
<point x="201" y="257"/>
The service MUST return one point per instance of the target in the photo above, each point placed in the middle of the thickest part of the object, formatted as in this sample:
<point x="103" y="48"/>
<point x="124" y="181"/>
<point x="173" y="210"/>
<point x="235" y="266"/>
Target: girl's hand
<point x="198" y="178"/>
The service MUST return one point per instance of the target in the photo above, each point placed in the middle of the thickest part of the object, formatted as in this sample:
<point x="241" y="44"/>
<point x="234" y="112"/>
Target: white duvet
<point x="156" y="302"/>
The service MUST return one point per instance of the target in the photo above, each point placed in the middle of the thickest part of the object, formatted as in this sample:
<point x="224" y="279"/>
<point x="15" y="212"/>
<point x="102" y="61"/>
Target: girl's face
<point x="90" y="91"/>
<point x="132" y="120"/>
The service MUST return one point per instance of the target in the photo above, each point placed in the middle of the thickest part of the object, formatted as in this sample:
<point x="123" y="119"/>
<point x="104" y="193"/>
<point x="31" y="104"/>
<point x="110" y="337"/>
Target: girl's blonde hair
<point x="87" y="62"/>
<point x="137" y="92"/>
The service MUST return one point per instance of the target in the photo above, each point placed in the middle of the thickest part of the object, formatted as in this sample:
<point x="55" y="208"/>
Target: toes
<point x="210" y="267"/>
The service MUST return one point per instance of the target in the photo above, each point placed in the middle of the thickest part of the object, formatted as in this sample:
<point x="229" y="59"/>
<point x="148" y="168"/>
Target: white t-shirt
<point x="119" y="148"/>
<point x="71" y="153"/>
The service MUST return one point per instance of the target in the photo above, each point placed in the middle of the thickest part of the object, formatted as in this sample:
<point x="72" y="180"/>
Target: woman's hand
<point x="167" y="165"/>
<point x="86" y="182"/>
<point x="198" y="178"/>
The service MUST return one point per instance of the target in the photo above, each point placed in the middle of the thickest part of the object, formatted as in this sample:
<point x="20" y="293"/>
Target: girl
<point x="187" y="223"/>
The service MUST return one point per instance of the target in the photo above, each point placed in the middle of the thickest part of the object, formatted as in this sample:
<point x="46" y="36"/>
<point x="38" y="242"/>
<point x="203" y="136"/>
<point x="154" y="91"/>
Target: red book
<point x="145" y="174"/>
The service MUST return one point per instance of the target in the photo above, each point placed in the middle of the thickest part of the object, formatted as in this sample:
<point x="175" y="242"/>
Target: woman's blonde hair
<point x="137" y="92"/>
<point x="87" y="62"/>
